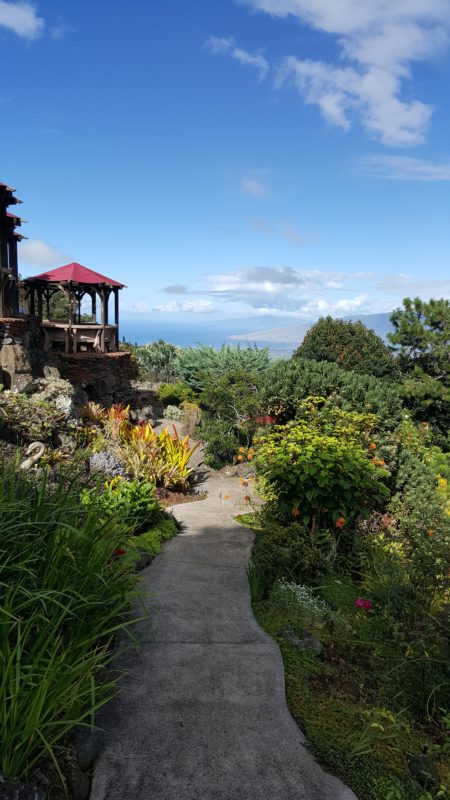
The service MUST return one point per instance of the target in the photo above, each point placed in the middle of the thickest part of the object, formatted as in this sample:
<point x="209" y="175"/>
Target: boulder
<point x="88" y="744"/>
<point x="57" y="391"/>
<point x="305" y="642"/>
<point x="17" y="791"/>
<point x="106" y="463"/>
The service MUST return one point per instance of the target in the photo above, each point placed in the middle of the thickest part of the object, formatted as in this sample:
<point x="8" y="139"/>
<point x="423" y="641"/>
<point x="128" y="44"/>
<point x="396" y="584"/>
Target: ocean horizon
<point x="185" y="334"/>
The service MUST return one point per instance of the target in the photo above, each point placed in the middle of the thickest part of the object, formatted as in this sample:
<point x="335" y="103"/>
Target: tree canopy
<point x="421" y="337"/>
<point x="350" y="345"/>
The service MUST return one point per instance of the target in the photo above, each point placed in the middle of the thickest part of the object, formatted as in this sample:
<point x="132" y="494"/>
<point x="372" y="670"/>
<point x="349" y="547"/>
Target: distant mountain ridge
<point x="290" y="337"/>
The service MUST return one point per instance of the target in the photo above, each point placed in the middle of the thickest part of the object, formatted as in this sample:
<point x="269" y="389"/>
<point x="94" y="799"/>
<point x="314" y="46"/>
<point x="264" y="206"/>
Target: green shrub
<point x="231" y="403"/>
<point x="131" y="503"/>
<point x="325" y="477"/>
<point x="23" y="418"/>
<point x="195" y="365"/>
<point x="428" y="401"/>
<point x="421" y="526"/>
<point x="64" y="593"/>
<point x="174" y="394"/>
<point x="287" y="383"/>
<point x="175" y="413"/>
<point x="282" y="550"/>
<point x="222" y="442"/>
<point x="157" y="360"/>
<point x="350" y="345"/>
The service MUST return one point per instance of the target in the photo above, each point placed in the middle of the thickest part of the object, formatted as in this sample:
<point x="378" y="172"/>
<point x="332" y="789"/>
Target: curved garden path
<point x="202" y="712"/>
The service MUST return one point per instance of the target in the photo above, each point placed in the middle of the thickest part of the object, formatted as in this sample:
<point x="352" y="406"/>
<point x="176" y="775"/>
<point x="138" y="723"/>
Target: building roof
<point x="74" y="273"/>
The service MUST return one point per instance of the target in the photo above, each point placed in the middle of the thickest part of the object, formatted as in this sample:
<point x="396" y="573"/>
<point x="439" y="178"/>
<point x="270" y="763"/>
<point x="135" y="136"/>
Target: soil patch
<point x="168" y="498"/>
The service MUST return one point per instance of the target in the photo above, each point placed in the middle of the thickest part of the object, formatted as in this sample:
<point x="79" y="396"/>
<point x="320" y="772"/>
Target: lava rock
<point x="107" y="463"/>
<point x="424" y="771"/>
<point x="80" y="783"/>
<point x="306" y="642"/>
<point x="18" y="791"/>
<point x="147" y="413"/>
<point x="88" y="744"/>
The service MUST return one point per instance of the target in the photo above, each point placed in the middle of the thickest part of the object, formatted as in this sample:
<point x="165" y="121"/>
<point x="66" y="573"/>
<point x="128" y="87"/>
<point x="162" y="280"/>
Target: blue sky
<point x="257" y="160"/>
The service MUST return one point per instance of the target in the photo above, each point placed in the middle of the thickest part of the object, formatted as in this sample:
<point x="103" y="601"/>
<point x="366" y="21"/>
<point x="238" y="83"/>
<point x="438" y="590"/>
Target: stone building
<point x="32" y="345"/>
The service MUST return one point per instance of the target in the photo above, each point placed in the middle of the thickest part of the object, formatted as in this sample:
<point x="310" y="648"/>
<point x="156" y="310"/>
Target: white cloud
<point x="21" y="18"/>
<point x="255" y="183"/>
<point x="403" y="168"/>
<point x="140" y="307"/>
<point x="217" y="45"/>
<point x="189" y="307"/>
<point x="285" y="229"/>
<point x="407" y="285"/>
<point x="176" y="288"/>
<point x="281" y="288"/>
<point x="37" y="253"/>
<point x="379" y="40"/>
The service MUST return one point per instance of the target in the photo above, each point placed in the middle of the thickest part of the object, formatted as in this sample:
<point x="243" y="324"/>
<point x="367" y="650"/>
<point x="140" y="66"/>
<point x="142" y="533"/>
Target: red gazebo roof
<point x="75" y="273"/>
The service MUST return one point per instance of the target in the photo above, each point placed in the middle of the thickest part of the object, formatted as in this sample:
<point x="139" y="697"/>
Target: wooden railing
<point x="77" y="337"/>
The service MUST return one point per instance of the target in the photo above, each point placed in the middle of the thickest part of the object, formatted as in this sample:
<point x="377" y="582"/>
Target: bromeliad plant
<point x="161" y="458"/>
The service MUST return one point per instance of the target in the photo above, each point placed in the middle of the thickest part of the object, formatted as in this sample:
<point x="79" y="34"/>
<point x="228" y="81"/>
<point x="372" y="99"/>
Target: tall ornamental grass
<point x="63" y="596"/>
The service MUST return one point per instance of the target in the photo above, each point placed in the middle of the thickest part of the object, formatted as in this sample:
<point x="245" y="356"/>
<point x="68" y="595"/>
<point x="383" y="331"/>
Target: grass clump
<point x="64" y="594"/>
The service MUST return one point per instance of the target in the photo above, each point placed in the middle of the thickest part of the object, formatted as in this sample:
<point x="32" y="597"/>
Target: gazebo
<point x="77" y="334"/>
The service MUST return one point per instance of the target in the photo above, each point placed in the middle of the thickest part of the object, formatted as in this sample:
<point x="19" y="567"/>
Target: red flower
<point x="360" y="602"/>
<point x="340" y="522"/>
<point x="119" y="552"/>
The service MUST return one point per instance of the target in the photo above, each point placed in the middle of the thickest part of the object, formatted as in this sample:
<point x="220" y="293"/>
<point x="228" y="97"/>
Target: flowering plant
<point x="320" y="468"/>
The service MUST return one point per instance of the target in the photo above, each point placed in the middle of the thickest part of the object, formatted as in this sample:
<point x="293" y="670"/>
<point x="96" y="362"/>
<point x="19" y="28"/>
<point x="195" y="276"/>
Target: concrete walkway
<point x="202" y="712"/>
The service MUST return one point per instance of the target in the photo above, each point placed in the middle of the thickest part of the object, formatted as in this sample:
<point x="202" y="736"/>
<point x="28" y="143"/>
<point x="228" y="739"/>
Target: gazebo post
<point x="70" y="299"/>
<point x="94" y="306"/>
<point x="116" y="315"/>
<point x="104" y="317"/>
<point x="39" y="294"/>
<point x="32" y="303"/>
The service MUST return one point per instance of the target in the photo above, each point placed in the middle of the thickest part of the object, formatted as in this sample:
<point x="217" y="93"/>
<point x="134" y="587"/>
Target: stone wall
<point x="21" y="352"/>
<point x="105" y="377"/>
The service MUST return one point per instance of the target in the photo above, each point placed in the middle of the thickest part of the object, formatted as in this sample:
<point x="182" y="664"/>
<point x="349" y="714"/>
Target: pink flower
<point x="361" y="603"/>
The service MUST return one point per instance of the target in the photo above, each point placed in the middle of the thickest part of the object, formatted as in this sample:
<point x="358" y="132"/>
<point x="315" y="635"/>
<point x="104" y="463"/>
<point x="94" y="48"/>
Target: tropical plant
<point x="63" y="597"/>
<point x="195" y="366"/>
<point x="157" y="360"/>
<point x="93" y="412"/>
<point x="131" y="503"/>
<point x="350" y="345"/>
<point x="161" y="458"/>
